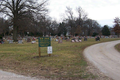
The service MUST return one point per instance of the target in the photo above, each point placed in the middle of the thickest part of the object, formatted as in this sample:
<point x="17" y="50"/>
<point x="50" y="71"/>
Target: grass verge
<point x="117" y="47"/>
<point x="66" y="62"/>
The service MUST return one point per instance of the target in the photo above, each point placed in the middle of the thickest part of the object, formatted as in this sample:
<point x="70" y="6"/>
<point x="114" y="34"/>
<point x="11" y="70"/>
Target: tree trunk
<point x="4" y="34"/>
<point x="15" y="33"/>
<point x="15" y="27"/>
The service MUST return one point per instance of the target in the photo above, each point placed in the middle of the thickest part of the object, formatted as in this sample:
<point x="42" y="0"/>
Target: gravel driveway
<point x="11" y="76"/>
<point x="104" y="57"/>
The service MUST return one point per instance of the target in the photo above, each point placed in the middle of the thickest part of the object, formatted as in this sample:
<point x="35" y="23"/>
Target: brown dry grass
<point x="66" y="62"/>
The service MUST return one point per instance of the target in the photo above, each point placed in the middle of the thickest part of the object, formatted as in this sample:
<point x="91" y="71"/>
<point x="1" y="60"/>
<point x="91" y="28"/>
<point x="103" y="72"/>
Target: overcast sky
<point x="103" y="11"/>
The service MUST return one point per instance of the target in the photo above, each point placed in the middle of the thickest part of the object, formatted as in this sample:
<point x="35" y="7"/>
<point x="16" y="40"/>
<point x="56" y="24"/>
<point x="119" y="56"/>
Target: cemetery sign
<point x="44" y="41"/>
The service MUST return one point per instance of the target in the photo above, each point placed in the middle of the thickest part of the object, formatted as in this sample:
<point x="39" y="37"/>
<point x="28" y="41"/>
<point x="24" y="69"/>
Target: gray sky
<point x="103" y="11"/>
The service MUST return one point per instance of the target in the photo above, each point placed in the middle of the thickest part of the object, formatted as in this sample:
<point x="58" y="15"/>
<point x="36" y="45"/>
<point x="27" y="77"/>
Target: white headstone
<point x="20" y="41"/>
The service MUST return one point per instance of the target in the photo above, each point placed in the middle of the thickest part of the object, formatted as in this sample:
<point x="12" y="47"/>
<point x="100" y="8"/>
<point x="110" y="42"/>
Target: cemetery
<point x="35" y="43"/>
<point x="66" y="59"/>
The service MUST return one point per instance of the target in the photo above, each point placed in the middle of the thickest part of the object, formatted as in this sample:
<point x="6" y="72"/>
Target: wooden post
<point x="39" y="53"/>
<point x="49" y="55"/>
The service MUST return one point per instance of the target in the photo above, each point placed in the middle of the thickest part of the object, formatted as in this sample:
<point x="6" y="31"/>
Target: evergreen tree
<point x="105" y="31"/>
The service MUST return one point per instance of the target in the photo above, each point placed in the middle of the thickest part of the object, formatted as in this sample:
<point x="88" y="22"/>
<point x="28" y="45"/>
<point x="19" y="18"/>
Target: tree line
<point x="30" y="17"/>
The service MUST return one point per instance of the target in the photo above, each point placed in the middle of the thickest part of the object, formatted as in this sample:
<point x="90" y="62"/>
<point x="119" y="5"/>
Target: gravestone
<point x="20" y="41"/>
<point x="80" y="39"/>
<point x="98" y="38"/>
<point x="85" y="38"/>
<point x="67" y="39"/>
<point x="28" y="40"/>
<point x="73" y="40"/>
<point x="33" y="41"/>
<point x="60" y="41"/>
<point x="56" y="40"/>
<point x="76" y="40"/>
<point x="10" y="41"/>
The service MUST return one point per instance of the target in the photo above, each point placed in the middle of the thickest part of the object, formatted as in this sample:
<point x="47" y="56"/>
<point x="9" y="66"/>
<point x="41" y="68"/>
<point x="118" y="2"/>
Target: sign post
<point x="39" y="52"/>
<point x="43" y="42"/>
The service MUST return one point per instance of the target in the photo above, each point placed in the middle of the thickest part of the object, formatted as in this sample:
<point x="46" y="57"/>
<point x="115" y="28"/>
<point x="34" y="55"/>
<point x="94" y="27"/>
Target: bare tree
<point x="117" y="20"/>
<point x="54" y="27"/>
<point x="3" y="26"/>
<point x="117" y="26"/>
<point x="93" y="27"/>
<point x="80" y="22"/>
<point x="26" y="24"/>
<point x="71" y="20"/>
<point x="17" y="9"/>
<point x="82" y="14"/>
<point x="69" y="13"/>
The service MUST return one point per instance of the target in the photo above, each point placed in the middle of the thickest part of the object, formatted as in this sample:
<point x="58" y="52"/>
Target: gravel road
<point x="11" y="76"/>
<point x="104" y="57"/>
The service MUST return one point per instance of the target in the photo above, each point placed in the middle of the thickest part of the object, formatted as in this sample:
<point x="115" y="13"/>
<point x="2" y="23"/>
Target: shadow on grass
<point x="41" y="56"/>
<point x="44" y="56"/>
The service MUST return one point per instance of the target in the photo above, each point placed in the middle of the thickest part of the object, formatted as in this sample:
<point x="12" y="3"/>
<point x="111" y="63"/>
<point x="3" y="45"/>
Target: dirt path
<point x="11" y="76"/>
<point x="104" y="57"/>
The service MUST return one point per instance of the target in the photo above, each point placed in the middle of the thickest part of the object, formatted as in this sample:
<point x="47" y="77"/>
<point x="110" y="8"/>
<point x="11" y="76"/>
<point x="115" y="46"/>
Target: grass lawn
<point x="117" y="47"/>
<point x="67" y="60"/>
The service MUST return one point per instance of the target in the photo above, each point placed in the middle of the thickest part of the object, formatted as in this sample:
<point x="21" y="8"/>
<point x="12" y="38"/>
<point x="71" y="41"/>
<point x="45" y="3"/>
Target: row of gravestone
<point x="59" y="40"/>
<point x="20" y="41"/>
<point x="75" y="39"/>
